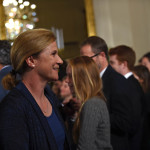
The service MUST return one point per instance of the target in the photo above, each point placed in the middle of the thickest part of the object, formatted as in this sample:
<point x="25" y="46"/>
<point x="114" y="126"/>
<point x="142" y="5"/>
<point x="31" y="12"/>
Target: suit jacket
<point x="138" y="99"/>
<point x="4" y="72"/>
<point x="146" y="128"/>
<point x="115" y="88"/>
<point x="22" y="123"/>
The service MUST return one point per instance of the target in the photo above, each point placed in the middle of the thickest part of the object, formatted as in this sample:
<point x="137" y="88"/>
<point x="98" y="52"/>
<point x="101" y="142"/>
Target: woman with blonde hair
<point x="29" y="118"/>
<point x="92" y="127"/>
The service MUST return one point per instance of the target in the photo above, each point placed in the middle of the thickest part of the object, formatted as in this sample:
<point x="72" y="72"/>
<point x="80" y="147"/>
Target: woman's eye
<point x="54" y="53"/>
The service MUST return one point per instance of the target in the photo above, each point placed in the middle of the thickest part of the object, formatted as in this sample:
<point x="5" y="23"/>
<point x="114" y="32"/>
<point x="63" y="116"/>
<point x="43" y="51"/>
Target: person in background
<point x="29" y="117"/>
<point x="115" y="88"/>
<point x="145" y="60"/>
<point x="57" y="84"/>
<point x="56" y="88"/>
<point x="142" y="74"/>
<point x="122" y="59"/>
<point x="5" y="66"/>
<point x="68" y="112"/>
<point x="70" y="103"/>
<point x="62" y="70"/>
<point x="65" y="92"/>
<point x="92" y="127"/>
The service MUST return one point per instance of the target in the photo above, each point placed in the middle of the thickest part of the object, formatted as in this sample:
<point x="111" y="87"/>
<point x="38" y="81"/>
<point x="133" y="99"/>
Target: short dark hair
<point x="124" y="53"/>
<point x="97" y="44"/>
<point x="147" y="55"/>
<point x="5" y="52"/>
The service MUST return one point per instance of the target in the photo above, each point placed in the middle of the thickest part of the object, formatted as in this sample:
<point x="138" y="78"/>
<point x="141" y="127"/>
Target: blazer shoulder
<point x="14" y="100"/>
<point x="95" y="103"/>
<point x="111" y="74"/>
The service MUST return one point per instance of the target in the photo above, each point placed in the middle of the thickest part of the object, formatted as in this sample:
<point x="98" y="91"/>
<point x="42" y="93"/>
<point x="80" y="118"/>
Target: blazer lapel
<point x="22" y="88"/>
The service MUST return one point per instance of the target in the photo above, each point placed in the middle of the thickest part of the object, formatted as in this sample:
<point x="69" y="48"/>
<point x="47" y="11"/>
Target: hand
<point x="75" y="104"/>
<point x="71" y="107"/>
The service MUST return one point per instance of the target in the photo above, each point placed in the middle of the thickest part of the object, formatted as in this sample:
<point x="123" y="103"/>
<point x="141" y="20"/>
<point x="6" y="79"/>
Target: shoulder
<point x="95" y="108"/>
<point x="5" y="70"/>
<point x="112" y="76"/>
<point x="94" y="103"/>
<point x="114" y="80"/>
<point x="14" y="100"/>
<point x="135" y="85"/>
<point x="95" y="100"/>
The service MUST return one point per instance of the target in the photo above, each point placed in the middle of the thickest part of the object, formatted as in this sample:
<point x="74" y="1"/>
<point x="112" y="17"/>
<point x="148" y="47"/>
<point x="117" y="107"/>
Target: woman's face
<point x="65" y="89"/>
<point x="47" y="63"/>
<point x="145" y="62"/>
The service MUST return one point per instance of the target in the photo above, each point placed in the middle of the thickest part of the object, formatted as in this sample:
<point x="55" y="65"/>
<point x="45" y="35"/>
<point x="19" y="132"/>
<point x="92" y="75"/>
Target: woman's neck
<point x="34" y="85"/>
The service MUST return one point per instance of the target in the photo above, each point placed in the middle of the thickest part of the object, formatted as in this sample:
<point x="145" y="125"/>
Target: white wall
<point x="124" y="22"/>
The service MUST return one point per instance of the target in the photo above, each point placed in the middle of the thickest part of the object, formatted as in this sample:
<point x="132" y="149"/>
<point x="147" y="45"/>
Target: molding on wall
<point x="2" y="22"/>
<point x="90" y="17"/>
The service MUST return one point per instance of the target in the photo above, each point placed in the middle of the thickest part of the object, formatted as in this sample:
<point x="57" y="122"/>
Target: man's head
<point x="122" y="58"/>
<point x="145" y="60"/>
<point x="96" y="48"/>
<point x="4" y="53"/>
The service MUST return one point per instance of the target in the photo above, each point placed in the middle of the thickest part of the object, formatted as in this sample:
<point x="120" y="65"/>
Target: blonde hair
<point x="28" y="43"/>
<point x="86" y="81"/>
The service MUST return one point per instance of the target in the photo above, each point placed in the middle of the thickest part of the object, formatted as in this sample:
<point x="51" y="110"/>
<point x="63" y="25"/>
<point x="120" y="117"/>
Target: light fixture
<point x="19" y="16"/>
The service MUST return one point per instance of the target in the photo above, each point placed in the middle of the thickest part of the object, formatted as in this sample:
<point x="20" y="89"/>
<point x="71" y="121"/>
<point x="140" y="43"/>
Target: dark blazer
<point x="3" y="72"/>
<point x="115" y="88"/>
<point x="22" y="123"/>
<point x="138" y="99"/>
<point x="146" y="131"/>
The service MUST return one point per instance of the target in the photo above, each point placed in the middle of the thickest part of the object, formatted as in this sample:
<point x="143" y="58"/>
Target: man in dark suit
<point x="122" y="59"/>
<point x="5" y="67"/>
<point x="115" y="88"/>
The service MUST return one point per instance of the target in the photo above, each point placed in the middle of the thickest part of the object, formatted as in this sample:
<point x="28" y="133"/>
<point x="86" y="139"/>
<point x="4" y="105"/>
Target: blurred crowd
<point x="98" y="100"/>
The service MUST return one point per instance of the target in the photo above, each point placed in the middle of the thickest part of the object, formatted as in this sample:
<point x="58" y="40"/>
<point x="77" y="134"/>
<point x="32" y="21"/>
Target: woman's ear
<point x="30" y="62"/>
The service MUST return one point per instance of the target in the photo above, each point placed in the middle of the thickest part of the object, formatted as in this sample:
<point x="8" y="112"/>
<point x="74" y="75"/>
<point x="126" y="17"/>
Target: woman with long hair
<point x="92" y="127"/>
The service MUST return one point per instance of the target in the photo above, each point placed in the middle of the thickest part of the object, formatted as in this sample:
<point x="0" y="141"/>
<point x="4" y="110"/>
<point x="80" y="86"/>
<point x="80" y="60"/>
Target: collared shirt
<point x="102" y="72"/>
<point x="127" y="75"/>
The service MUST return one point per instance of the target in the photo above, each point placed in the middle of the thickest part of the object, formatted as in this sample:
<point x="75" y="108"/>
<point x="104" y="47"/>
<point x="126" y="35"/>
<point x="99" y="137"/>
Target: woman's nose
<point x="60" y="61"/>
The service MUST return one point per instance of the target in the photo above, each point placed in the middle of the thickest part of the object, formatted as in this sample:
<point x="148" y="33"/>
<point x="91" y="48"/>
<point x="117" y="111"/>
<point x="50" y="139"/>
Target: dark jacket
<point x="22" y="123"/>
<point x="138" y="99"/>
<point x="115" y="88"/>
<point x="4" y="72"/>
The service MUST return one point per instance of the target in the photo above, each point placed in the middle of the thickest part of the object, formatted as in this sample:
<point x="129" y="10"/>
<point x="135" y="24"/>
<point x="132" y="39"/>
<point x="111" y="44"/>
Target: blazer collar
<point x="22" y="88"/>
<point x="107" y="72"/>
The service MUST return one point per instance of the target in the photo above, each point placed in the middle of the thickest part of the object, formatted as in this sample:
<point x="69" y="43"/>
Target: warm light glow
<point x="5" y="3"/>
<point x="29" y="26"/>
<point x="15" y="3"/>
<point x="33" y="6"/>
<point x="14" y="9"/>
<point x="20" y="1"/>
<point x="18" y="18"/>
<point x="21" y="6"/>
<point x="11" y="1"/>
<point x="11" y="14"/>
<point x="26" y="3"/>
